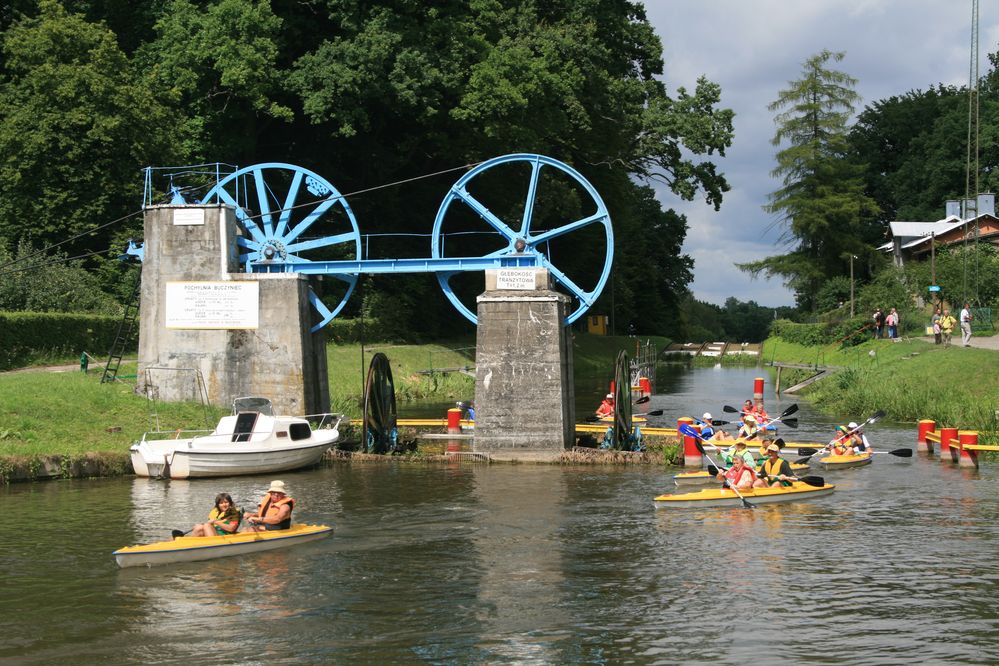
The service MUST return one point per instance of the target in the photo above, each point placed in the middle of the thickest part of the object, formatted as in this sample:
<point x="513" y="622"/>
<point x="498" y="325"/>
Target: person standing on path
<point x="947" y="326"/>
<point x="892" y="321"/>
<point x="966" y="325"/>
<point x="879" y="323"/>
<point x="935" y="322"/>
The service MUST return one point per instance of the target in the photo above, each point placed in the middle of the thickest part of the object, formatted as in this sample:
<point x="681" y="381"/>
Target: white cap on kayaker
<point x="707" y="416"/>
<point x="851" y="425"/>
<point x="610" y="395"/>
<point x="749" y="417"/>
<point x="276" y="487"/>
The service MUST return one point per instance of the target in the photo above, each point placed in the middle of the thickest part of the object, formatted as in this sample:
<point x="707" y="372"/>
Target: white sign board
<point x="188" y="216"/>
<point x="512" y="278"/>
<point x="212" y="305"/>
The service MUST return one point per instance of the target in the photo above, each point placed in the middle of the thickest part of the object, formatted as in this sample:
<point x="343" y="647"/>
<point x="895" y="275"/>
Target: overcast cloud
<point x="752" y="48"/>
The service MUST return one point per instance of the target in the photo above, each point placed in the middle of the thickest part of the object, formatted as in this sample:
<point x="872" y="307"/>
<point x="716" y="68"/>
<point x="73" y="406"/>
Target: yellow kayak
<point x="842" y="462"/>
<point x="194" y="549"/>
<point x="702" y="476"/>
<point x="726" y="497"/>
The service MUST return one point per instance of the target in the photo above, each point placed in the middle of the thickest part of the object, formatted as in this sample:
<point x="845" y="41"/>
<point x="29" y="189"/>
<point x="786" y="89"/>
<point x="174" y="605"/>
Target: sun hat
<point x="773" y="447"/>
<point x="842" y="428"/>
<point x="851" y="425"/>
<point x="707" y="416"/>
<point x="749" y="417"/>
<point x="276" y="487"/>
<point x="610" y="395"/>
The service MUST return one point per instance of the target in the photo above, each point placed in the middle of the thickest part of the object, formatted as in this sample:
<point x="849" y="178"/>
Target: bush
<point x="847" y="332"/>
<point x="29" y="336"/>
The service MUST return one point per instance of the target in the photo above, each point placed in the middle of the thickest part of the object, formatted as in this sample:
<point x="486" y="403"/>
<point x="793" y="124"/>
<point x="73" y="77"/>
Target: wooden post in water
<point x="925" y="426"/>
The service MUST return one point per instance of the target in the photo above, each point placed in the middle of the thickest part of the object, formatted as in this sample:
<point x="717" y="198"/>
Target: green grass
<point x="909" y="380"/>
<point x="71" y="413"/>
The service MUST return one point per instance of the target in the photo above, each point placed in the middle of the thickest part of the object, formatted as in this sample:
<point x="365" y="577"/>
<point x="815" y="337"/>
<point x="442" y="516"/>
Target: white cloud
<point x="752" y="48"/>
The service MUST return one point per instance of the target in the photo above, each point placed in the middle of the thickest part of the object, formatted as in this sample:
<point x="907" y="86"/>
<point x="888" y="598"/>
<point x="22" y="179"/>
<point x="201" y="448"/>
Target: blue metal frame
<point x="533" y="242"/>
<point x="273" y="237"/>
<point x="274" y="244"/>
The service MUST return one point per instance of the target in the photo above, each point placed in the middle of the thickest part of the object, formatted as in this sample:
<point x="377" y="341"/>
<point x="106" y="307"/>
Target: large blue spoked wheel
<point x="292" y="216"/>
<point x="574" y="209"/>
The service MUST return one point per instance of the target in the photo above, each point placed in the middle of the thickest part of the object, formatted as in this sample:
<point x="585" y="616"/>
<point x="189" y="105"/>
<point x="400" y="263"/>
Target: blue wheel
<point x="292" y="216"/>
<point x="531" y="224"/>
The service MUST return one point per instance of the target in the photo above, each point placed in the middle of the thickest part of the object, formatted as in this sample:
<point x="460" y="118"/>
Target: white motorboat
<point x="250" y="441"/>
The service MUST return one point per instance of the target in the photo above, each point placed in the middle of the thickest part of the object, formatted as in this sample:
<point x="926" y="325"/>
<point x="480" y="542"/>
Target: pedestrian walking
<point x="966" y="318"/>
<point x="879" y="323"/>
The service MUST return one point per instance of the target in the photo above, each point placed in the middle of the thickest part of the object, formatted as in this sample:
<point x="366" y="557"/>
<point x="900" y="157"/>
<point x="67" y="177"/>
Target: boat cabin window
<point x="244" y="426"/>
<point x="299" y="431"/>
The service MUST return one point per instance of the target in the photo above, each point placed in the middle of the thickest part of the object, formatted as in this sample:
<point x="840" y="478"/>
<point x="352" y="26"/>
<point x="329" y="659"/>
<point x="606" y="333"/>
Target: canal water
<point x="525" y="564"/>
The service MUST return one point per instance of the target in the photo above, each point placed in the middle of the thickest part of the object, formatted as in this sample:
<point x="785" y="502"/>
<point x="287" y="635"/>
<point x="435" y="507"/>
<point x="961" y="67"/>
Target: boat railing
<point x="179" y="433"/>
<point x="326" y="420"/>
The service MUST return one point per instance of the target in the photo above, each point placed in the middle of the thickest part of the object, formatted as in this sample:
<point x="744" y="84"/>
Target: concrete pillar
<point x="207" y="329"/>
<point x="524" y="396"/>
<point x="925" y="426"/>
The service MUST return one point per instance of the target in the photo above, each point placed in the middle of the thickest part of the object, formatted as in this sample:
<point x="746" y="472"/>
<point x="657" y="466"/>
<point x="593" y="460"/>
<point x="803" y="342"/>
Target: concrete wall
<point x="523" y="389"/>
<point x="280" y="359"/>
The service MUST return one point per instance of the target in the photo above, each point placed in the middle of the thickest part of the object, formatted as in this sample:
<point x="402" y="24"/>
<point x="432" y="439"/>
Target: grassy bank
<point x="910" y="380"/>
<point x="71" y="413"/>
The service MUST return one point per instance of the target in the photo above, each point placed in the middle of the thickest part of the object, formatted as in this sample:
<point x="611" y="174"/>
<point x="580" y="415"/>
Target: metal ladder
<point x="124" y="334"/>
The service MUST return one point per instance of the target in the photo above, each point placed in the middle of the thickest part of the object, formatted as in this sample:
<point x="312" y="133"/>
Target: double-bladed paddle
<point x="690" y="432"/>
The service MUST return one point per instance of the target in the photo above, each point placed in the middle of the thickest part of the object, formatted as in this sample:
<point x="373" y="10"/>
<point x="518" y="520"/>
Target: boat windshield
<point x="260" y="405"/>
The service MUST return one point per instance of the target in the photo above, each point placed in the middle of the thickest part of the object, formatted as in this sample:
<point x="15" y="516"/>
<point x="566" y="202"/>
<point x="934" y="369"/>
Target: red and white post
<point x="967" y="457"/>
<point x="948" y="435"/>
<point x="925" y="426"/>
<point x="691" y="456"/>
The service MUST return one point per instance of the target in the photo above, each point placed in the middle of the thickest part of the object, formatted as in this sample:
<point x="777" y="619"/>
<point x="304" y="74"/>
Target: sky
<point x="752" y="49"/>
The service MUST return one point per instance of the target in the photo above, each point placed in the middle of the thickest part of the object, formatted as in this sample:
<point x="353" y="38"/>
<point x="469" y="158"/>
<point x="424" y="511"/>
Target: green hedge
<point x="30" y="336"/>
<point x="847" y="332"/>
<point x="368" y="330"/>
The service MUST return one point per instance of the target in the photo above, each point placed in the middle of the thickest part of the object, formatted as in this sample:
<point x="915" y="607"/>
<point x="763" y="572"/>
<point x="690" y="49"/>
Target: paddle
<point x="690" y="432"/>
<point x="714" y="422"/>
<point x="178" y="533"/>
<point x="654" y="412"/>
<point x="641" y="401"/>
<point x="731" y="410"/>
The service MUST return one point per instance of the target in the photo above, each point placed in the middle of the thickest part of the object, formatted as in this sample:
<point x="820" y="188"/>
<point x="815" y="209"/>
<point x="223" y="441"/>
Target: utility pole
<point x="852" y="257"/>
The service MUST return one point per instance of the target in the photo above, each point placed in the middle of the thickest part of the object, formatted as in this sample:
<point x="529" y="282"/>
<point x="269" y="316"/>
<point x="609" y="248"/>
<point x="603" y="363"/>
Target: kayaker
<point x="739" y="450"/>
<point x="606" y="407"/>
<point x="223" y="519"/>
<point x="739" y="475"/>
<point x="840" y="443"/>
<point x="707" y="426"/>
<point x="749" y="430"/>
<point x="274" y="511"/>
<point x="775" y="471"/>
<point x="860" y="443"/>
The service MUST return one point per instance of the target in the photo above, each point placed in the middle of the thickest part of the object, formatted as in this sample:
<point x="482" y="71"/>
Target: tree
<point x="76" y="125"/>
<point x="821" y="201"/>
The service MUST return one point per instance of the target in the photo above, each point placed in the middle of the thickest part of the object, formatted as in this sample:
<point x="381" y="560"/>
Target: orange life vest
<point x="269" y="509"/>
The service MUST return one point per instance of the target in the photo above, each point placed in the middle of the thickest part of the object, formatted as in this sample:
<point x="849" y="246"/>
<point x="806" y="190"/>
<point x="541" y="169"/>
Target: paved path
<point x="991" y="342"/>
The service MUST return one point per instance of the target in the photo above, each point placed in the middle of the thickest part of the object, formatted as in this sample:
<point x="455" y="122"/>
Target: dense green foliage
<point x="27" y="336"/>
<point x="821" y="201"/>
<point x="366" y="94"/>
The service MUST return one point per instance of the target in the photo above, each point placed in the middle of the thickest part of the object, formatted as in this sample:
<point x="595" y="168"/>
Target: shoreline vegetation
<point x="66" y="424"/>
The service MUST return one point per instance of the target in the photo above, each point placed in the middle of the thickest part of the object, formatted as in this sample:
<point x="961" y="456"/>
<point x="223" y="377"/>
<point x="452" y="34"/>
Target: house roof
<point x="913" y="234"/>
